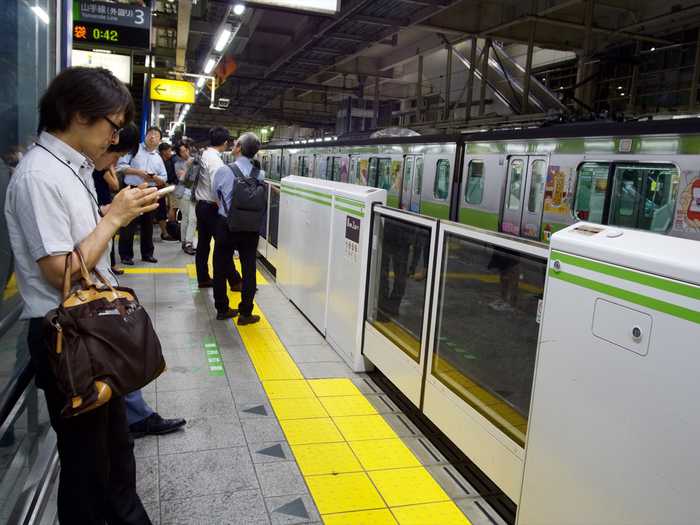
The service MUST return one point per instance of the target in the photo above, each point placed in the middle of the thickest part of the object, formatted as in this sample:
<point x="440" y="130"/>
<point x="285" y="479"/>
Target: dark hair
<point x="155" y="128"/>
<point x="163" y="146"/>
<point x="94" y="93"/>
<point x="218" y="135"/>
<point x="129" y="140"/>
<point x="249" y="144"/>
<point x="180" y="145"/>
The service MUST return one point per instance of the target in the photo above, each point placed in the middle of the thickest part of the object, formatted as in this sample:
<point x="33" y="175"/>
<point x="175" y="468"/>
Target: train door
<point x="524" y="196"/>
<point x="411" y="181"/>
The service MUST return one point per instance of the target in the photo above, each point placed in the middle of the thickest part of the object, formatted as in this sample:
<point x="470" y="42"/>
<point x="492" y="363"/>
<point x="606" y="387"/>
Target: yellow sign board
<point x="177" y="91"/>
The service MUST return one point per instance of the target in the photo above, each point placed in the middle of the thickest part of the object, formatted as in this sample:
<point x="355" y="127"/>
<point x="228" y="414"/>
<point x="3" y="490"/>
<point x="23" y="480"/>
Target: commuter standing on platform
<point x="165" y="151"/>
<point x="188" y="223"/>
<point x="51" y="208"/>
<point x="144" y="167"/>
<point x="207" y="207"/>
<point x="242" y="204"/>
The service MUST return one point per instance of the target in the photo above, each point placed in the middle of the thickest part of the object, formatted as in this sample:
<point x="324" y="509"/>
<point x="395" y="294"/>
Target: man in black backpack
<point x="242" y="204"/>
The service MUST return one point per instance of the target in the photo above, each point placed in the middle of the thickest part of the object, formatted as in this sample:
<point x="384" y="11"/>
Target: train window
<point x="590" y="191"/>
<point x="474" y="191"/>
<point x="515" y="184"/>
<point x="336" y="168"/>
<point x="354" y="171"/>
<point x="418" y="182"/>
<point x="538" y="177"/>
<point x="304" y="166"/>
<point x="265" y="164"/>
<point x="644" y="196"/>
<point x="329" y="169"/>
<point x="372" y="172"/>
<point x="441" y="187"/>
<point x="384" y="178"/>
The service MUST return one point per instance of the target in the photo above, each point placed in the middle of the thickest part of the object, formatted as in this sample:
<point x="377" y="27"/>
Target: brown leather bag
<point x="102" y="342"/>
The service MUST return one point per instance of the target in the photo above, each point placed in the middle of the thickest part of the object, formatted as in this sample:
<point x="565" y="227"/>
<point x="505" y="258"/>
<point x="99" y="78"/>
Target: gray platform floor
<point x="232" y="464"/>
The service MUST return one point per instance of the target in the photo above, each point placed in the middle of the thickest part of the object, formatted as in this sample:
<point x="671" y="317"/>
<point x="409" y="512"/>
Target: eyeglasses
<point x="116" y="130"/>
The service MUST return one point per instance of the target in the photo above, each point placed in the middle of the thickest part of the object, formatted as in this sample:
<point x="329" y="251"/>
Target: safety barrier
<point x="452" y="320"/>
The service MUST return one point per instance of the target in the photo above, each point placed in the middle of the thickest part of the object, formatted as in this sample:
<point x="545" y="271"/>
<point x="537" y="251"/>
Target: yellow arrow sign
<point x="167" y="90"/>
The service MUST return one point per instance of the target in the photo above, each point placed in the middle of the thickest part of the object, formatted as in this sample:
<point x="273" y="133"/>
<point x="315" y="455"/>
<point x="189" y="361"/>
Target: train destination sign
<point x="121" y="25"/>
<point x="329" y="7"/>
<point x="177" y="91"/>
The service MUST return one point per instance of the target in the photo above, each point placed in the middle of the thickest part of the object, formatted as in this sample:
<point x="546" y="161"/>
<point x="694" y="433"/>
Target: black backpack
<point x="248" y="202"/>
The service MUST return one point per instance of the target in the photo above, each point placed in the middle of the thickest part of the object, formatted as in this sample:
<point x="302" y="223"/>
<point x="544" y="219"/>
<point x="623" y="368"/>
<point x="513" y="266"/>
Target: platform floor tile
<point x="288" y="389"/>
<point x="307" y="431"/>
<point x="444" y="513"/>
<point x="382" y="454"/>
<point x="326" y="458"/>
<point x="364" y="517"/>
<point x="298" y="408"/>
<point x="348" y="406"/>
<point x="334" y="387"/>
<point x="409" y="486"/>
<point x="344" y="493"/>
<point x="356" y="428"/>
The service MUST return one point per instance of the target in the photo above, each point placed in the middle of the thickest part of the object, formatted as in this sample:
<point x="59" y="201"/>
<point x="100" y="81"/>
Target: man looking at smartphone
<point x="144" y="167"/>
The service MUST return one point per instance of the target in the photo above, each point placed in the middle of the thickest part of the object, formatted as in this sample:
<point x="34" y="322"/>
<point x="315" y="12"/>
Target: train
<point x="528" y="183"/>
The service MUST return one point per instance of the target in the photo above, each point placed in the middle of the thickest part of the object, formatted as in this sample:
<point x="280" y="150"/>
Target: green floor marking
<point x="216" y="364"/>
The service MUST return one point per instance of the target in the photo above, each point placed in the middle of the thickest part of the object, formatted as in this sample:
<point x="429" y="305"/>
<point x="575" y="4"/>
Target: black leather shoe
<point x="228" y="314"/>
<point x="128" y="262"/>
<point x="248" y="319"/>
<point x="154" y="425"/>
<point x="206" y="284"/>
<point x="150" y="259"/>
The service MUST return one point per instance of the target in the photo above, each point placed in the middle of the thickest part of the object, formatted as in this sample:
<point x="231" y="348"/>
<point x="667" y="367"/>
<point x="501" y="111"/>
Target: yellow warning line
<point x="358" y="470"/>
<point x="153" y="270"/>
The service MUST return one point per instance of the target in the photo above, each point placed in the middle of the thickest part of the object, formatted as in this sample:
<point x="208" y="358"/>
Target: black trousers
<point x="97" y="481"/>
<point x="207" y="218"/>
<point x="226" y="242"/>
<point x="126" y="236"/>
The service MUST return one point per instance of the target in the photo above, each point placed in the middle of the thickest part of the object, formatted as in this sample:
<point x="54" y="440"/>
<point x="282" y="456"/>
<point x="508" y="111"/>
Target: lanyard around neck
<point x="97" y="204"/>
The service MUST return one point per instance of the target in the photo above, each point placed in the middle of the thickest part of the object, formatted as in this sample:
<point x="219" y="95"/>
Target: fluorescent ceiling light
<point x="201" y="81"/>
<point x="210" y="66"/>
<point x="41" y="14"/>
<point x="223" y="39"/>
<point x="238" y="9"/>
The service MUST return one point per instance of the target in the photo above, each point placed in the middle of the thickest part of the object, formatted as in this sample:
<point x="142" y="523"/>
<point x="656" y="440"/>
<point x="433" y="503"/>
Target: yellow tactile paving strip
<point x="359" y="472"/>
<point x="140" y="270"/>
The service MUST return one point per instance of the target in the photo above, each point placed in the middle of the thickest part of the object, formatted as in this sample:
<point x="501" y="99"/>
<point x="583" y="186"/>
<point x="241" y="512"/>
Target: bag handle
<point x="84" y="275"/>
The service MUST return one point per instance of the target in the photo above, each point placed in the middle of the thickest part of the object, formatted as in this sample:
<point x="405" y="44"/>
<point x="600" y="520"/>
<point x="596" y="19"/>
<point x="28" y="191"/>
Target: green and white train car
<point x="528" y="183"/>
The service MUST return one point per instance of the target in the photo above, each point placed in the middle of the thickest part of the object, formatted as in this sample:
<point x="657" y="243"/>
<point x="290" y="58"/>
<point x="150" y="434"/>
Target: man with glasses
<point x="144" y="167"/>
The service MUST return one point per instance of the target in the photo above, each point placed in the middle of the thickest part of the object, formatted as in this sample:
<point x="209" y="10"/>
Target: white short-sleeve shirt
<point x="50" y="208"/>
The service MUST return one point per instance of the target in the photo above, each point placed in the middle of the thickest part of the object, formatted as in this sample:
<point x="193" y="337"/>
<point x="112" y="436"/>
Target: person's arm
<point x="160" y="177"/>
<point x="111" y="179"/>
<point x="127" y="205"/>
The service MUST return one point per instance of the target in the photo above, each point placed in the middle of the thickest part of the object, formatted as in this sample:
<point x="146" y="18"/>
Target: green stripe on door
<point x="350" y="211"/>
<point x="632" y="297"/>
<point x="629" y="275"/>
<point x="304" y="190"/>
<point x="289" y="191"/>
<point x="351" y="202"/>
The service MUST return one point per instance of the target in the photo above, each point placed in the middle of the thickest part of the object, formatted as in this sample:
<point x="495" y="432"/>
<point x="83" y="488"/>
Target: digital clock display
<point x="111" y="35"/>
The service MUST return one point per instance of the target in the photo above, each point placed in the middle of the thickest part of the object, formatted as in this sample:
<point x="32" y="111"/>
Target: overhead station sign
<point x="123" y="25"/>
<point x="329" y="7"/>
<point x="177" y="91"/>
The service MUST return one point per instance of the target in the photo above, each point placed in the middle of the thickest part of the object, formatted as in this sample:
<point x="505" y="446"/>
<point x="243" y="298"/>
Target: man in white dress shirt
<point x="146" y="166"/>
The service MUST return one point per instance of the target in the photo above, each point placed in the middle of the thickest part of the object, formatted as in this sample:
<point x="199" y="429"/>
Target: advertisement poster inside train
<point x="557" y="191"/>
<point x="363" y="171"/>
<point x="687" y="218"/>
